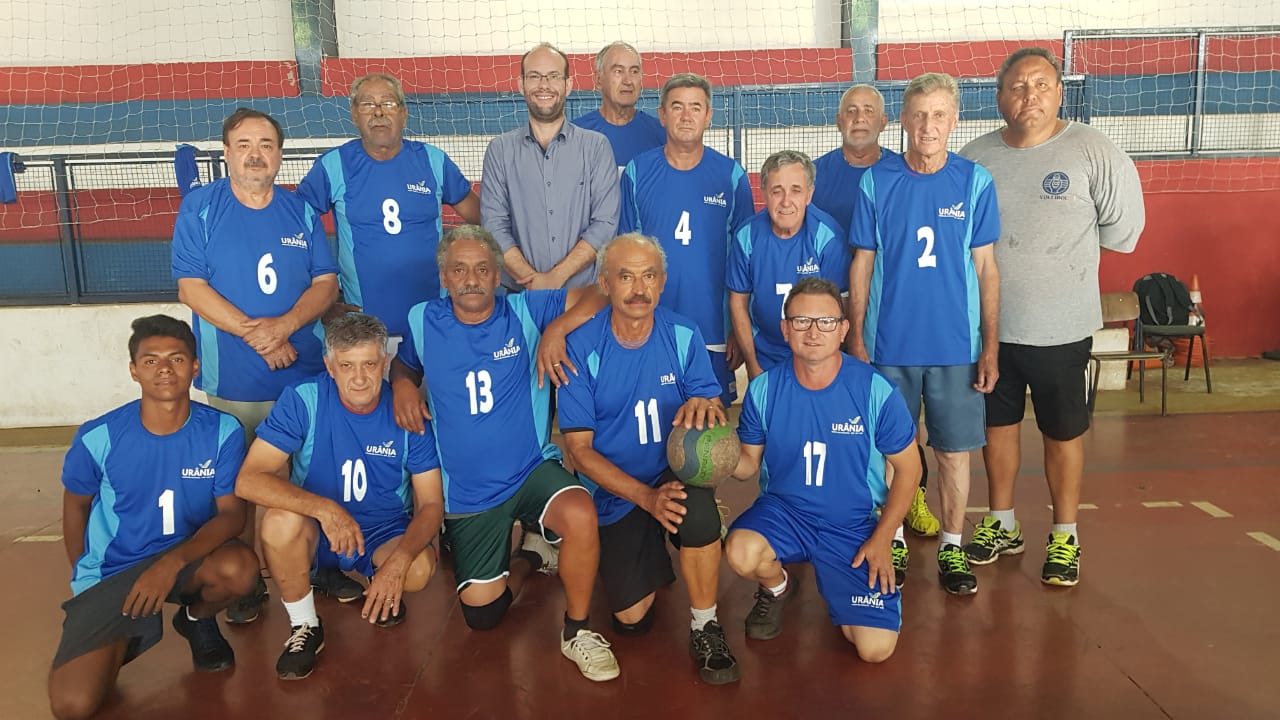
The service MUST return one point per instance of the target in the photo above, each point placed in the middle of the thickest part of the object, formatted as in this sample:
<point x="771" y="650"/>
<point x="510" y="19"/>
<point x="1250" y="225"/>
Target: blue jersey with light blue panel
<point x="923" y="306"/>
<point x="492" y="421"/>
<point x="261" y="261"/>
<point x="150" y="492"/>
<point x="824" y="450"/>
<point x="629" y="398"/>
<point x="693" y="214"/>
<point x="765" y="266"/>
<point x="388" y="214"/>
<point x="644" y="132"/>
<point x="362" y="462"/>
<point x="836" y="186"/>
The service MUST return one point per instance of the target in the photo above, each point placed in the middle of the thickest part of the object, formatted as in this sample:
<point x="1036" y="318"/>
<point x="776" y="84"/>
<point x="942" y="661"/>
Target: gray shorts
<point x="955" y="413"/>
<point x="250" y="414"/>
<point x="94" y="619"/>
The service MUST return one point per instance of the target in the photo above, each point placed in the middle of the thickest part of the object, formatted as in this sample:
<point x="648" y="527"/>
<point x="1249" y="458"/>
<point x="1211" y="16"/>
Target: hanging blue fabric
<point x="8" y="185"/>
<point x="185" y="168"/>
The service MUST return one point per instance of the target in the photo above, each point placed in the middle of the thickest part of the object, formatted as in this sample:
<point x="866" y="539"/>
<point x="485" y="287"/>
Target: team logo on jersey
<point x="955" y="212"/>
<point x="717" y="200"/>
<point x="298" y="241"/>
<point x="870" y="600"/>
<point x="511" y="349"/>
<point x="1056" y="183"/>
<point x="421" y="188"/>
<point x="386" y="449"/>
<point x="808" y="268"/>
<point x="667" y="379"/>
<point x="852" y="427"/>
<point x="203" y="470"/>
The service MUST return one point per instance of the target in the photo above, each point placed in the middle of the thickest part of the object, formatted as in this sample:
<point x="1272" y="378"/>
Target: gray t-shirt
<point x="1060" y="202"/>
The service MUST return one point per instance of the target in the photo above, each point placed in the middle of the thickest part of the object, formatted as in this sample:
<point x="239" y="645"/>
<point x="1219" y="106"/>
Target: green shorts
<point x="481" y="541"/>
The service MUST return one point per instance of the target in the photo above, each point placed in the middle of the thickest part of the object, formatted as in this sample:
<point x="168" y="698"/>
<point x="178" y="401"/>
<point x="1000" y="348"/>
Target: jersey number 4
<point x="683" y="233"/>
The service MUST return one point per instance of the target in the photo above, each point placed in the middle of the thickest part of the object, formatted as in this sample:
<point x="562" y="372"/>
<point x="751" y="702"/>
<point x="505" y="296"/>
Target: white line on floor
<point x="39" y="538"/>
<point x="1161" y="504"/>
<point x="1265" y="539"/>
<point x="1211" y="509"/>
<point x="1081" y="506"/>
<point x="977" y="509"/>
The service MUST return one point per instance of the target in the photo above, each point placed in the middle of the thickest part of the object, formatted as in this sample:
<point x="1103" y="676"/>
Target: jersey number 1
<point x="166" y="512"/>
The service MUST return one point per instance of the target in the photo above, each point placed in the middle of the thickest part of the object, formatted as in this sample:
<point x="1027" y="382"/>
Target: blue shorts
<point x="728" y="386"/>
<point x="955" y="413"/>
<point x="796" y="537"/>
<point x="375" y="536"/>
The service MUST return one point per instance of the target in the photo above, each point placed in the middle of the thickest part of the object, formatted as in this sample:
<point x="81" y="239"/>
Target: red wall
<point x="1231" y="239"/>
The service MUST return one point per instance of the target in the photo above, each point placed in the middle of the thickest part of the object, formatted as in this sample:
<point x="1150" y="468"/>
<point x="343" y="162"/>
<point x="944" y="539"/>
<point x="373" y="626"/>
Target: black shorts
<point x="1056" y="376"/>
<point x="94" y="618"/>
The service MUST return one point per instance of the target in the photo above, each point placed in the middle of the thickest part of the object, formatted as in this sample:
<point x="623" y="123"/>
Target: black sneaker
<point x="901" y="558"/>
<point x="247" y="608"/>
<point x="300" y="651"/>
<point x="1062" y="560"/>
<point x="764" y="622"/>
<point x="953" y="569"/>
<point x="210" y="652"/>
<point x="716" y="664"/>
<point x="336" y="584"/>
<point x="393" y="619"/>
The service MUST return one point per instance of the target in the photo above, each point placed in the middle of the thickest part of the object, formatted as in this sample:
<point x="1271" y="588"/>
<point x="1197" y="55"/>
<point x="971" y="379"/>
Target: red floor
<point x="1176" y="617"/>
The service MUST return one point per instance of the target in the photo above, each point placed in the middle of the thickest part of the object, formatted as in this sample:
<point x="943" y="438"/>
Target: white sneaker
<point x="592" y="654"/>
<point x="550" y="554"/>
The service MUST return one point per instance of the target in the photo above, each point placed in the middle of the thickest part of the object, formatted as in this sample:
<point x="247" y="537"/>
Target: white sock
<point x="947" y="538"/>
<point x="1006" y="518"/>
<point x="303" y="612"/>
<point x="897" y="534"/>
<point x="702" y="617"/>
<point x="1068" y="528"/>
<point x="781" y="587"/>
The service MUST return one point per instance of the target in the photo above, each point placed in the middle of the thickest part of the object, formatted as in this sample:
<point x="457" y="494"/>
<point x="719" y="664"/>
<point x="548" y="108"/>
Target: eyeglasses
<point x="800" y="323"/>
<point x="534" y="78"/>
<point x="367" y="108"/>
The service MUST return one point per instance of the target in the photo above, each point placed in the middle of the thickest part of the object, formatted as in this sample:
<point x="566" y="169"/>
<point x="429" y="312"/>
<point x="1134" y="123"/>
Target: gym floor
<point x="1175" y="616"/>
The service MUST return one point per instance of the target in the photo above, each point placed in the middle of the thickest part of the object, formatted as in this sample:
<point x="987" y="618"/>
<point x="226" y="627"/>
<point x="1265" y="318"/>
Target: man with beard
<point x="549" y="194"/>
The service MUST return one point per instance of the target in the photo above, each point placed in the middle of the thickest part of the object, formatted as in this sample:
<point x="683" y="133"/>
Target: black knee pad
<point x="701" y="525"/>
<point x="635" y="629"/>
<point x="487" y="617"/>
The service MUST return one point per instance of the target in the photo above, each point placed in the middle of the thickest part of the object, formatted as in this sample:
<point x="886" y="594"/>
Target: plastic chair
<point x="1122" y="307"/>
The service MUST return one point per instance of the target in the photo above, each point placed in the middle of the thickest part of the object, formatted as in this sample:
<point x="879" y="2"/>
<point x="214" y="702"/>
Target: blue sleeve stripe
<point x="103" y="521"/>
<point x="435" y="156"/>
<point x="227" y="425"/>
<point x="630" y="173"/>
<point x="207" y="351"/>
<point x="307" y="392"/>
<point x="980" y="180"/>
<point x="539" y="398"/>
<point x="759" y="391"/>
<point x="684" y="339"/>
<point x="593" y="364"/>
<point x="823" y="237"/>
<point x="350" y="281"/>
<point x="871" y="323"/>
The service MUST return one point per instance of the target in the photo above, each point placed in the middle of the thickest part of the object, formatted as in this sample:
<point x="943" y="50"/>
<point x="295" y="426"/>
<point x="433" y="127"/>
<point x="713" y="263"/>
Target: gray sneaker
<point x="764" y="622"/>
<point x="549" y="554"/>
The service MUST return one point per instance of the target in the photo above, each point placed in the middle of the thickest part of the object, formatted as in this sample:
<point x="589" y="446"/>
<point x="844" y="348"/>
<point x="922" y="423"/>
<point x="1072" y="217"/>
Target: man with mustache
<point x="363" y="495"/>
<point x="644" y="369"/>
<point x="860" y="117"/>
<point x="691" y="198"/>
<point x="924" y="294"/>
<point x="253" y="264"/>
<point x="387" y="196"/>
<point x="620" y="79"/>
<point x="1067" y="194"/>
<point x="489" y="409"/>
<point x="549" y="194"/>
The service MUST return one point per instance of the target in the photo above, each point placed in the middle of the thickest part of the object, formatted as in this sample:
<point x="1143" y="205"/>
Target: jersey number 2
<point x="927" y="258"/>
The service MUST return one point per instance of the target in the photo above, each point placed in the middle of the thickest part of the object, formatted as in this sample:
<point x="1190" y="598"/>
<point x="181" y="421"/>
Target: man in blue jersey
<point x="253" y="264"/>
<point x="777" y="247"/>
<point x="365" y="495"/>
<point x="819" y="430"/>
<point x="489" y="409"/>
<point x="860" y="118"/>
<point x="387" y="195"/>
<point x="549" y="194"/>
<point x="643" y="370"/>
<point x="620" y="79"/>
<point x="149" y="516"/>
<point x="923" y="294"/>
<point x="691" y="198"/>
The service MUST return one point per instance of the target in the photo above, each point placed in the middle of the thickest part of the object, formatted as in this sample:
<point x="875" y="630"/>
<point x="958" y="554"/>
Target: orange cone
<point x="1195" y="288"/>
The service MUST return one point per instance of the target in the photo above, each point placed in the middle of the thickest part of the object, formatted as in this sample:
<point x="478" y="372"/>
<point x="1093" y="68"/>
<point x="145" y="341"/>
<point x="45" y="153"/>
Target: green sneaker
<point x="901" y="555"/>
<point x="919" y="519"/>
<point x="990" y="541"/>
<point x="953" y="570"/>
<point x="1062" y="560"/>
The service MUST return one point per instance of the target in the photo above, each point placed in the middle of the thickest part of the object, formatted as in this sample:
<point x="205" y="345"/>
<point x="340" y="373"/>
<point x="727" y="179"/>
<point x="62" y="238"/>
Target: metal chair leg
<point x="1191" y="348"/>
<point x="1204" y="356"/>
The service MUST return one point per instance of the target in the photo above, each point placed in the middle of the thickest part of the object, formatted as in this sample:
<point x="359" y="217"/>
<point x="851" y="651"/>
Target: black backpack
<point x="1163" y="300"/>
